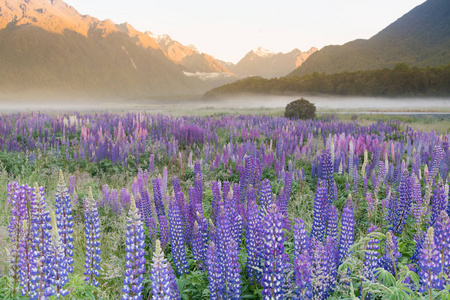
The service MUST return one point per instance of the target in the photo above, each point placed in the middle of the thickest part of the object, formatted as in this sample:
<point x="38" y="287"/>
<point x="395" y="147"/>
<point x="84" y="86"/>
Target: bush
<point x="300" y="109"/>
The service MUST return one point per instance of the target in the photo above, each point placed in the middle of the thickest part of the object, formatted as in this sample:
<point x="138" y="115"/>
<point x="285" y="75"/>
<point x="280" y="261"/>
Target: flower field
<point x="141" y="206"/>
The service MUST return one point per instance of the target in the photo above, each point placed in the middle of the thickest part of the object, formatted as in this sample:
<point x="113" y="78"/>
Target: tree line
<point x="402" y="80"/>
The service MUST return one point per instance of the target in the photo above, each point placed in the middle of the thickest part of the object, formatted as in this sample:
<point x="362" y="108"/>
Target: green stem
<point x="393" y="264"/>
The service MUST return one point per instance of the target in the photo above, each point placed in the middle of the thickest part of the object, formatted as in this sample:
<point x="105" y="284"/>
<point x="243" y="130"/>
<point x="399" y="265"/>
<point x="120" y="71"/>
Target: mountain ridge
<point x="420" y="38"/>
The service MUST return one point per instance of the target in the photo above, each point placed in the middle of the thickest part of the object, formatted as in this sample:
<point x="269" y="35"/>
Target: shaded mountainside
<point x="419" y="38"/>
<point x="48" y="47"/>
<point x="261" y="62"/>
<point x="400" y="81"/>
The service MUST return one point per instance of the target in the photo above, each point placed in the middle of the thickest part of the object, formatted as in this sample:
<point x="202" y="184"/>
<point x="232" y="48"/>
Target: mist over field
<point x="323" y="103"/>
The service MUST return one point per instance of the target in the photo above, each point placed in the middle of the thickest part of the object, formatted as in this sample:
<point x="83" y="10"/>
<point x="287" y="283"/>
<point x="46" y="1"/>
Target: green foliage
<point x="399" y="81"/>
<point x="300" y="109"/>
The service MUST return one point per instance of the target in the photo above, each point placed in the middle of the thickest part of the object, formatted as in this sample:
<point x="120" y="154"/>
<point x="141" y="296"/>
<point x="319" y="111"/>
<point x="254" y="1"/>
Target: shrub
<point x="300" y="109"/>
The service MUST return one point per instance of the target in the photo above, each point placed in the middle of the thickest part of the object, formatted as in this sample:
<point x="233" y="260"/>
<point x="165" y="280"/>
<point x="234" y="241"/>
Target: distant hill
<point x="399" y="81"/>
<point x="262" y="62"/>
<point x="419" y="38"/>
<point x="47" y="47"/>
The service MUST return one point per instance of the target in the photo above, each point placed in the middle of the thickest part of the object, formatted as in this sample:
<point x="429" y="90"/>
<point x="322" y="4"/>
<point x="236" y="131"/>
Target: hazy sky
<point x="228" y="29"/>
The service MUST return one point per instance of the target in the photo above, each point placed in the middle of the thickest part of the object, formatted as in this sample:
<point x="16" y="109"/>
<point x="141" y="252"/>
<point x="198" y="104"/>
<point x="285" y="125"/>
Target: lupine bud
<point x="92" y="233"/>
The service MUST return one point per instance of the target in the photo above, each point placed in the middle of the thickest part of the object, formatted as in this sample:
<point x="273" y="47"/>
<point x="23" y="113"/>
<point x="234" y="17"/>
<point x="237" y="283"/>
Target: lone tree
<point x="300" y="109"/>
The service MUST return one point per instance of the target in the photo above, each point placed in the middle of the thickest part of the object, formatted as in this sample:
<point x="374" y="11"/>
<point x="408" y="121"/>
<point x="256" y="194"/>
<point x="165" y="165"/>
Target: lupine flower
<point x="391" y="255"/>
<point x="332" y="224"/>
<point x="228" y="252"/>
<point x="273" y="272"/>
<point x="372" y="259"/>
<point x="253" y="242"/>
<point x="64" y="220"/>
<point x="442" y="241"/>
<point x="59" y="275"/>
<point x="302" y="276"/>
<point x="430" y="263"/>
<point x="301" y="239"/>
<point x="92" y="233"/>
<point x="347" y="232"/>
<point x="403" y="207"/>
<point x="438" y="203"/>
<point x="162" y="277"/>
<point x="319" y="269"/>
<point x="135" y="265"/>
<point x="177" y="238"/>
<point x="327" y="174"/>
<point x="332" y="252"/>
<point x="215" y="273"/>
<point x="41" y="231"/>
<point x="320" y="211"/>
<point x="266" y="196"/>
<point x="18" y="215"/>
<point x="27" y="264"/>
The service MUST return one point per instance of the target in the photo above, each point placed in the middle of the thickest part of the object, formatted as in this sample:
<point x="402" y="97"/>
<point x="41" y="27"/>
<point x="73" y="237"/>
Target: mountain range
<point x="48" y="48"/>
<point x="262" y="62"/>
<point x="419" y="38"/>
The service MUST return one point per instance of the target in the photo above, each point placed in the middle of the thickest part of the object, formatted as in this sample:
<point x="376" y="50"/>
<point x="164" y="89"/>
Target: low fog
<point x="190" y="104"/>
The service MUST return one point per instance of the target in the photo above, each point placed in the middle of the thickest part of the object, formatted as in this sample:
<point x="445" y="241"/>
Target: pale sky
<point x="229" y="29"/>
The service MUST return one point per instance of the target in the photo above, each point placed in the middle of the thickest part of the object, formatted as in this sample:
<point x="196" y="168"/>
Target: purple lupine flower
<point x="403" y="208"/>
<point x="228" y="252"/>
<point x="158" y="197"/>
<point x="151" y="164"/>
<point x="253" y="242"/>
<point x="273" y="238"/>
<point x="135" y="248"/>
<point x="320" y="211"/>
<point x="302" y="242"/>
<point x="92" y="233"/>
<point x="391" y="255"/>
<point x="59" y="274"/>
<point x="177" y="238"/>
<point x="332" y="224"/>
<point x="319" y="269"/>
<point x="418" y="239"/>
<point x="302" y="276"/>
<point x="439" y="202"/>
<point x="27" y="263"/>
<point x="162" y="277"/>
<point x="215" y="273"/>
<point x="347" y="232"/>
<point x="430" y="263"/>
<point x="327" y="174"/>
<point x="266" y="196"/>
<point x="442" y="241"/>
<point x="16" y="199"/>
<point x="372" y="259"/>
<point x="64" y="220"/>
<point x="332" y="252"/>
<point x="41" y="231"/>
<point x="163" y="230"/>
<point x="215" y="200"/>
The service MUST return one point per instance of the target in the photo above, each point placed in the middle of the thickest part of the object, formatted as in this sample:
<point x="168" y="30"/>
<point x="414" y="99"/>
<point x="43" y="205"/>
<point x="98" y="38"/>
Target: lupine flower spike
<point x="162" y="277"/>
<point x="64" y="220"/>
<point x="135" y="265"/>
<point x="92" y="232"/>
